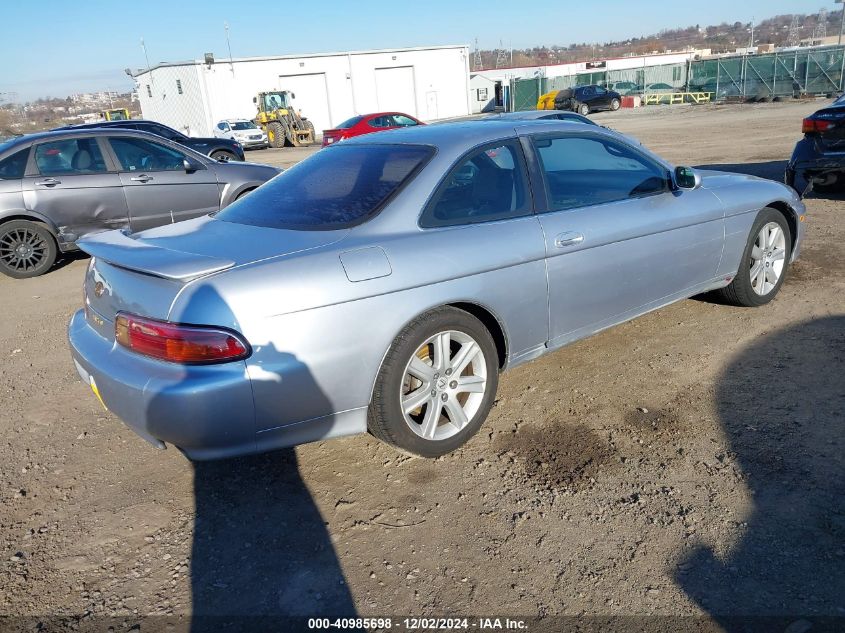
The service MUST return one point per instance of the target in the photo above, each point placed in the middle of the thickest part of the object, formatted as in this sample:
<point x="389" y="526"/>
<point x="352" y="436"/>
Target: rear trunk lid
<point x="830" y="135"/>
<point x="143" y="272"/>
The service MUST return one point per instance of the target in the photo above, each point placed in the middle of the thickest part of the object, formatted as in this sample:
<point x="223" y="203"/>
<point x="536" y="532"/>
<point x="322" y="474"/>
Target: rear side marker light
<point x="178" y="343"/>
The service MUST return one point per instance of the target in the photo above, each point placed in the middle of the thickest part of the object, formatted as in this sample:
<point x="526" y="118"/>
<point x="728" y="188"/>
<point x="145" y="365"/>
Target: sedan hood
<point x="199" y="247"/>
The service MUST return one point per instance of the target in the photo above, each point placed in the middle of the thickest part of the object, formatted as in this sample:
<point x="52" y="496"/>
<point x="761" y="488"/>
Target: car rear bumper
<point x="206" y="411"/>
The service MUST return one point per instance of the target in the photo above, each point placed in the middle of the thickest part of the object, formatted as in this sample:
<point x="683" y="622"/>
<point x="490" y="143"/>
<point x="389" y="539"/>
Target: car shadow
<point x="780" y="403"/>
<point x="262" y="557"/>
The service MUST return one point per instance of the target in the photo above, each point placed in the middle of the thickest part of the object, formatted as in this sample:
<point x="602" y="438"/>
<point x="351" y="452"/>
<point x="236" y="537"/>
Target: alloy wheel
<point x="443" y="385"/>
<point x="22" y="250"/>
<point x="768" y="256"/>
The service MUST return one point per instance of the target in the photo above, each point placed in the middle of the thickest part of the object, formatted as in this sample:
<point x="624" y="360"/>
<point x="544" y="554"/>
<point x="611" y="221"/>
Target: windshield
<point x="243" y="125"/>
<point x="349" y="123"/>
<point x="336" y="188"/>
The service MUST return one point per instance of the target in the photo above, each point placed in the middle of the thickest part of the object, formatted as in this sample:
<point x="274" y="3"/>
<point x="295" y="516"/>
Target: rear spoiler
<point x="121" y="249"/>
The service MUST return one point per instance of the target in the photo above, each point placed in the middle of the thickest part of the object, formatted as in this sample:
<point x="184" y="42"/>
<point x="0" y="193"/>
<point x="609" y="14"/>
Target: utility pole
<point x="229" y="46"/>
<point x="146" y="57"/>
<point x="842" y="20"/>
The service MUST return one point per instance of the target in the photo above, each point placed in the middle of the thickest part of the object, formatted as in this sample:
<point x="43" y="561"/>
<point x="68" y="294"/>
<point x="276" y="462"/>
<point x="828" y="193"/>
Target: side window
<point x="138" y="154"/>
<point x="14" y="166"/>
<point x="380" y="121"/>
<point x="583" y="171"/>
<point x="223" y="126"/>
<point x="69" y="156"/>
<point x="403" y="121"/>
<point x="163" y="132"/>
<point x="490" y="184"/>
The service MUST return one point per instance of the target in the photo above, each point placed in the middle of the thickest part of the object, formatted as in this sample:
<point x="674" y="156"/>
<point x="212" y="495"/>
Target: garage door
<point x="312" y="97"/>
<point x="396" y="90"/>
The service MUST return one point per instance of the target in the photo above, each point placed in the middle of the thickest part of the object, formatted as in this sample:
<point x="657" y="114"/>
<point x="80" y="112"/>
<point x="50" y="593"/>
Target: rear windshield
<point x="349" y="123"/>
<point x="335" y="188"/>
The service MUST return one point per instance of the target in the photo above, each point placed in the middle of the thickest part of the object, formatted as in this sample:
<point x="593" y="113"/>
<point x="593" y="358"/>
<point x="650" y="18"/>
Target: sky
<point x="59" y="47"/>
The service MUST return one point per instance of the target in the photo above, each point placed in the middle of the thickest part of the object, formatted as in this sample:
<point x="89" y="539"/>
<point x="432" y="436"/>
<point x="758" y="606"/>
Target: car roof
<point x="528" y="115"/>
<point x="80" y="126"/>
<point x="458" y="136"/>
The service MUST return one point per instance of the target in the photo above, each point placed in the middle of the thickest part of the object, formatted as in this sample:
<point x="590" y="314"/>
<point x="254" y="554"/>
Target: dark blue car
<point x="820" y="155"/>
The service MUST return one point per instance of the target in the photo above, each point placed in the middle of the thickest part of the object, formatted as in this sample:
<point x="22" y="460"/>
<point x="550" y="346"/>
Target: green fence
<point x="811" y="71"/>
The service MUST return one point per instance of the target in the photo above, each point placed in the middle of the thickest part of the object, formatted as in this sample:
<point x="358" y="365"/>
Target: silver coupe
<point x="383" y="284"/>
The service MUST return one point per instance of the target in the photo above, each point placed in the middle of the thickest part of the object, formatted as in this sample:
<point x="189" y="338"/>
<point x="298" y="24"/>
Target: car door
<point x="158" y="188"/>
<point x="601" y="99"/>
<point x="222" y="130"/>
<point x="73" y="182"/>
<point x="620" y="239"/>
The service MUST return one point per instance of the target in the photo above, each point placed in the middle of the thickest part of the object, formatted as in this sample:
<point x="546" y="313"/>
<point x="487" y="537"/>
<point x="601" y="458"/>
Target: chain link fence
<point x="802" y="71"/>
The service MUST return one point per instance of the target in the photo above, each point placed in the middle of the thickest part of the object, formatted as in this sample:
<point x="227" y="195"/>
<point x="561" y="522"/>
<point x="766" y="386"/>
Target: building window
<point x="179" y="86"/>
<point x="676" y="74"/>
<point x="149" y="92"/>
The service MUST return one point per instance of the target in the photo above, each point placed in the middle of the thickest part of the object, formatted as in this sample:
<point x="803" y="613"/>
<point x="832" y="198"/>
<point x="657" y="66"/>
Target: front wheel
<point x="583" y="109"/>
<point x="436" y="385"/>
<point x="27" y="249"/>
<point x="764" y="262"/>
<point x="614" y="104"/>
<point x="222" y="156"/>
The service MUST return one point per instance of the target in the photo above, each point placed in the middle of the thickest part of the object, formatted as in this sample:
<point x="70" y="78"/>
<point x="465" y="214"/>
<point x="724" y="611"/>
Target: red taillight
<point x="812" y="126"/>
<point x="176" y="343"/>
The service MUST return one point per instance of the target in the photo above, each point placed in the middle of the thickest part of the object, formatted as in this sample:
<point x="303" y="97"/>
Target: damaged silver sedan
<point x="56" y="187"/>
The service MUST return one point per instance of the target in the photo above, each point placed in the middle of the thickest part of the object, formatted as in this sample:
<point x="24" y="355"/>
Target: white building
<point x="428" y="83"/>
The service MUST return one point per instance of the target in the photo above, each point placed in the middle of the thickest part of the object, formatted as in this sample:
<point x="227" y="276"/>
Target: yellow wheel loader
<point x="280" y="121"/>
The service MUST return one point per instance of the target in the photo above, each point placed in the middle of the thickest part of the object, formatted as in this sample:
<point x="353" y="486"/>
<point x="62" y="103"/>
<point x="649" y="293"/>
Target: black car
<point x="586" y="99"/>
<point x="215" y="148"/>
<point x="820" y="155"/>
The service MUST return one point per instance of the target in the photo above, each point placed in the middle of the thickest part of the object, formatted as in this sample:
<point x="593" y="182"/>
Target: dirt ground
<point x="687" y="463"/>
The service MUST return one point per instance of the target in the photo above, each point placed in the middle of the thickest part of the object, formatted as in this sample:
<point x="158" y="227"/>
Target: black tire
<point x="276" y="134"/>
<point x="221" y="155"/>
<point x="740" y="292"/>
<point x="583" y="109"/>
<point x="386" y="420"/>
<point x="27" y="249"/>
<point x="614" y="104"/>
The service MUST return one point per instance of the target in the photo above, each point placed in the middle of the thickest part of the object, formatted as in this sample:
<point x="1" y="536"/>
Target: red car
<point x="368" y="123"/>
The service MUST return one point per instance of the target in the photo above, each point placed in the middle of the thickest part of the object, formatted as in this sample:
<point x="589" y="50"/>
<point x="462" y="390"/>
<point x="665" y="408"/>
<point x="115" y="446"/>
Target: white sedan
<point x="245" y="132"/>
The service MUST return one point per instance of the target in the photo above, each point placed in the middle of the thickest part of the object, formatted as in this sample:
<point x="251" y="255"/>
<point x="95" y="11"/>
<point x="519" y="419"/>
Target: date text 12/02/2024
<point x="414" y="624"/>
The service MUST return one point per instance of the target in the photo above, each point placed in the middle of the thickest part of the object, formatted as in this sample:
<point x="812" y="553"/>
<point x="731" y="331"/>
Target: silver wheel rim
<point x="768" y="256"/>
<point x="443" y="385"/>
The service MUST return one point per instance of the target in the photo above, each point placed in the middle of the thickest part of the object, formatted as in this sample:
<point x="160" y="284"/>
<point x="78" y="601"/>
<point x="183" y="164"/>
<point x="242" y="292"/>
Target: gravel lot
<point x="687" y="463"/>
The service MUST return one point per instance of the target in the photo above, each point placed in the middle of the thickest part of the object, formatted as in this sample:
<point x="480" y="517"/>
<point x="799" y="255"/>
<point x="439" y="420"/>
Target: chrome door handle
<point x="569" y="238"/>
<point x="143" y="178"/>
<point x="49" y="182"/>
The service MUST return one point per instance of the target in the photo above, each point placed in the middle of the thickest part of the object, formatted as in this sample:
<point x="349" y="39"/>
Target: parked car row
<point x="384" y="282"/>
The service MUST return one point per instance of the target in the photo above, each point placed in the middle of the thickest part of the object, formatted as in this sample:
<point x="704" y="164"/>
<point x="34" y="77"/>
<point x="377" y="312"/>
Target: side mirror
<point x="189" y="166"/>
<point x="255" y="99"/>
<point x="292" y="96"/>
<point x="687" y="178"/>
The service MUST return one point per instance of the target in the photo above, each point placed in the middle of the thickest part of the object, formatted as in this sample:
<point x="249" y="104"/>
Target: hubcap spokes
<point x="22" y="250"/>
<point x="768" y="256"/>
<point x="443" y="385"/>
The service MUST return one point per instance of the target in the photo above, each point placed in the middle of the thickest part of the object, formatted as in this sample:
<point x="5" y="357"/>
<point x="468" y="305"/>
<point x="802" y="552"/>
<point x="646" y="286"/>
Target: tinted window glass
<point x="138" y="154"/>
<point x="349" y="123"/>
<point x="13" y="167"/>
<point x="69" y="156"/>
<point x="381" y="121"/>
<point x="335" y="188"/>
<point x="403" y="121"/>
<point x="583" y="171"/>
<point x="160" y="130"/>
<point x="488" y="185"/>
<point x="243" y="125"/>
